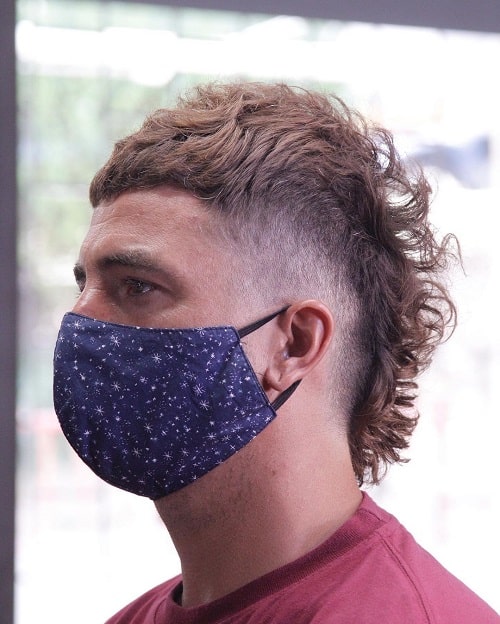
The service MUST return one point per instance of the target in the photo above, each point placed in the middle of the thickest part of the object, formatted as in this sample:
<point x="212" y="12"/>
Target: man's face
<point x="153" y="259"/>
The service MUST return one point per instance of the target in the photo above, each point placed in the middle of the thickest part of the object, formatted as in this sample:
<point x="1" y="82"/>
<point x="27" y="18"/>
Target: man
<point x="260" y="287"/>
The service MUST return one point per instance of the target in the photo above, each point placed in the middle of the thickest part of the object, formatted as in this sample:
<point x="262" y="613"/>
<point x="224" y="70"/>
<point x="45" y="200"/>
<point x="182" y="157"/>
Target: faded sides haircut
<point x="323" y="200"/>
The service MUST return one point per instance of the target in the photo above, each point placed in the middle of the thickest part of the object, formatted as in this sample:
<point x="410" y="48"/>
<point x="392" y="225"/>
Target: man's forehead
<point x="157" y="228"/>
<point x="164" y="205"/>
<point x="152" y="218"/>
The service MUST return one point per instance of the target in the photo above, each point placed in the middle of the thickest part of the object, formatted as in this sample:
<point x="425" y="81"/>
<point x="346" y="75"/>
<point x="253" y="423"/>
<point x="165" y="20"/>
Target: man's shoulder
<point x="372" y="570"/>
<point x="143" y="609"/>
<point x="400" y="574"/>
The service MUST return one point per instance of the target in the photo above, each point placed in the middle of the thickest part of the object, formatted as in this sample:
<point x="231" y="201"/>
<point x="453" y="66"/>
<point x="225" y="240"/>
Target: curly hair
<point x="340" y="216"/>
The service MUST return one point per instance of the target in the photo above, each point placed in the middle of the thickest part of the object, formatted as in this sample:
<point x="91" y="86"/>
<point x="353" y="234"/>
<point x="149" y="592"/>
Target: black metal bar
<point x="8" y="306"/>
<point x="480" y="15"/>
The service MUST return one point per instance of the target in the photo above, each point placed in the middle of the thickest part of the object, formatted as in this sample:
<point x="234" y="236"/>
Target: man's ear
<point x="307" y="328"/>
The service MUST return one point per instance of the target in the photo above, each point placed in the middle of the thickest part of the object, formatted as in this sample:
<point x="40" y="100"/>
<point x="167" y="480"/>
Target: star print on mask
<point x="152" y="410"/>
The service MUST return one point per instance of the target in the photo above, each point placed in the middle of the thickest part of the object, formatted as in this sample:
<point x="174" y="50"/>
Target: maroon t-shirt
<point x="370" y="571"/>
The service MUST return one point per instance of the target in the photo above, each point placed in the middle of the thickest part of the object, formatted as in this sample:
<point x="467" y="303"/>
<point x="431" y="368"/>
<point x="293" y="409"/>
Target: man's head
<point x="317" y="205"/>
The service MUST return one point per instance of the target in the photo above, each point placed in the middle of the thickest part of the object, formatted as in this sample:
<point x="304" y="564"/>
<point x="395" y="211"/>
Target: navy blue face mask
<point x="152" y="410"/>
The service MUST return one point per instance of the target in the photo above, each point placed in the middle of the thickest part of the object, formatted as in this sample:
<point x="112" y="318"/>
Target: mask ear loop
<point x="248" y="329"/>
<point x="286" y="394"/>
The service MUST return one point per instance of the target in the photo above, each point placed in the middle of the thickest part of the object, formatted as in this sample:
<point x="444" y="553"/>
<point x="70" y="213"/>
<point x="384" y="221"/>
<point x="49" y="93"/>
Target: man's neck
<point x="252" y="515"/>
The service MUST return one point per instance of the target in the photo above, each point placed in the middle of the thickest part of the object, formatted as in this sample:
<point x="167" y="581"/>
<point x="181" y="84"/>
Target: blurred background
<point x="87" y="74"/>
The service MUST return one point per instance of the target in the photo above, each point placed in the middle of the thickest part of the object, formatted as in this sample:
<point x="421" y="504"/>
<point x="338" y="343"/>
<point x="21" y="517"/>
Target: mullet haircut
<point x="325" y="195"/>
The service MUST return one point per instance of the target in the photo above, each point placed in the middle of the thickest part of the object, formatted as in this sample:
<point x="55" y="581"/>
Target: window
<point x="88" y="73"/>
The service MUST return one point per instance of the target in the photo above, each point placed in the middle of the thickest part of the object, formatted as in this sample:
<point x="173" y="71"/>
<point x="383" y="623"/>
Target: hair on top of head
<point x="340" y="216"/>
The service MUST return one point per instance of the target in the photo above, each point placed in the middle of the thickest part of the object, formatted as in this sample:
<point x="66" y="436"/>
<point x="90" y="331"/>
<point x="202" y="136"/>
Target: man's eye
<point x="138" y="287"/>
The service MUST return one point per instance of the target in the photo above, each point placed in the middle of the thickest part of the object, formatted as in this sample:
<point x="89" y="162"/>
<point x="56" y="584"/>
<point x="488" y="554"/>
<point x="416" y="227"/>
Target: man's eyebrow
<point x="133" y="259"/>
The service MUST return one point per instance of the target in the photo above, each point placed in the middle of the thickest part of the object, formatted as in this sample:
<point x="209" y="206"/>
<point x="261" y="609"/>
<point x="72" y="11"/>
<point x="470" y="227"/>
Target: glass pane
<point x="88" y="73"/>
